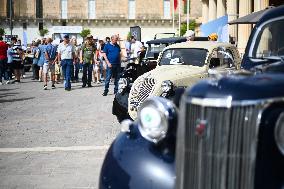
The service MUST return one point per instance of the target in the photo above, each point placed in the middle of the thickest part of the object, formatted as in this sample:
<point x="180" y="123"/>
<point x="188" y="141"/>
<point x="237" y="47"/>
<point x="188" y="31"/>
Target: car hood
<point x="175" y="73"/>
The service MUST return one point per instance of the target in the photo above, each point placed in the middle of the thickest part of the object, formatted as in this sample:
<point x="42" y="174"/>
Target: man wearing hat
<point x="66" y="54"/>
<point x="88" y="58"/>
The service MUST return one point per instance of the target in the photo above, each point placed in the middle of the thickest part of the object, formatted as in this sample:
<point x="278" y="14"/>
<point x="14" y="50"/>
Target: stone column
<point x="221" y="8"/>
<point x="205" y="10"/>
<point x="244" y="29"/>
<point x="232" y="7"/>
<point x="260" y="4"/>
<point x="212" y="10"/>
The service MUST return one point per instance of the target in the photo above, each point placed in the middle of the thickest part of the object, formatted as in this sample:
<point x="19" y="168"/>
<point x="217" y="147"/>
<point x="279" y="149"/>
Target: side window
<point x="221" y="57"/>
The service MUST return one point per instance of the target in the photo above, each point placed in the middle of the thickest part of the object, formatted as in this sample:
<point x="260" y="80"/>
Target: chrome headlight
<point x="122" y="84"/>
<point x="155" y="116"/>
<point x="279" y="133"/>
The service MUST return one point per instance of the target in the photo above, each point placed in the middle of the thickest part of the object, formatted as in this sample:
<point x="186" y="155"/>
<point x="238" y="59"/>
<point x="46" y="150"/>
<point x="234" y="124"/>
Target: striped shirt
<point x="15" y="54"/>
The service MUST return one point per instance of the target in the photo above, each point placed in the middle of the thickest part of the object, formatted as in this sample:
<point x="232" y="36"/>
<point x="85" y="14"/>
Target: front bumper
<point x="135" y="163"/>
<point x="120" y="106"/>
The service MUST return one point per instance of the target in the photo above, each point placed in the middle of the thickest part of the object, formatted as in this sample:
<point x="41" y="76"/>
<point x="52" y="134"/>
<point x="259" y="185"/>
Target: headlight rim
<point x="167" y="112"/>
<point x="122" y="84"/>
<point x="170" y="85"/>
<point x="277" y="134"/>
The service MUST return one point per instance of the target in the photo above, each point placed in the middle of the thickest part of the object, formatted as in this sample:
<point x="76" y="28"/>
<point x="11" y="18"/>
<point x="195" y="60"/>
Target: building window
<point x="64" y="9"/>
<point x="92" y="9"/>
<point x="39" y="13"/>
<point x="131" y="9"/>
<point x="167" y="9"/>
<point x="40" y="26"/>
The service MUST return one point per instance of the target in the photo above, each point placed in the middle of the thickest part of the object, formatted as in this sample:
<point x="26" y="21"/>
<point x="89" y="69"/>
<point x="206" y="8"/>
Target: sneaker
<point x="45" y="87"/>
<point x="39" y="80"/>
<point x="67" y="89"/>
<point x="24" y="76"/>
<point x="105" y="93"/>
<point x="84" y="85"/>
<point x="98" y="82"/>
<point x="17" y="81"/>
<point x="53" y="86"/>
<point x="8" y="82"/>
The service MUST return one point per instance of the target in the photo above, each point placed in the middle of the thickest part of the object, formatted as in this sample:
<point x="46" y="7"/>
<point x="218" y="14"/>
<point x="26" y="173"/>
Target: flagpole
<point x="173" y="16"/>
<point x="179" y="17"/>
<point x="187" y="14"/>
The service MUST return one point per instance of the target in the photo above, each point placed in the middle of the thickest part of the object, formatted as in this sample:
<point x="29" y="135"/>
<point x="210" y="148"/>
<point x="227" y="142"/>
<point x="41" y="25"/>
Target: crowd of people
<point x="98" y="60"/>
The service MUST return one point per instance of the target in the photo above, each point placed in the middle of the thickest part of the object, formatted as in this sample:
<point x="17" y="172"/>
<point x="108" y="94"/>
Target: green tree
<point x="2" y="31"/>
<point x="183" y="28"/>
<point x="43" y="32"/>
<point x="85" y="32"/>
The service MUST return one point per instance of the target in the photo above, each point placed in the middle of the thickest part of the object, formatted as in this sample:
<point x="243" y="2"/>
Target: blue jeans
<point x="87" y="73"/>
<point x="115" y="72"/>
<point x="75" y="72"/>
<point x="66" y="69"/>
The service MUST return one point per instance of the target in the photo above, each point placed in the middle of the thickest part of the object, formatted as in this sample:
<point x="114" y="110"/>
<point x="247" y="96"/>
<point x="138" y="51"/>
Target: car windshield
<point x="270" y="41"/>
<point x="153" y="50"/>
<point x="190" y="56"/>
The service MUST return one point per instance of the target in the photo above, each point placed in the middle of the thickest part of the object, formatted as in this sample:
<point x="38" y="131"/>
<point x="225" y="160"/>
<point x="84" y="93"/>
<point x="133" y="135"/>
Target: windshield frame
<point x="255" y="41"/>
<point x="164" y="51"/>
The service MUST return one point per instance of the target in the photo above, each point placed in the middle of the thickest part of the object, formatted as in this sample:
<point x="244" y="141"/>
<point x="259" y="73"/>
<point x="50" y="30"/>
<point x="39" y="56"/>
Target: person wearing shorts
<point x="49" y="63"/>
<point x="17" y="54"/>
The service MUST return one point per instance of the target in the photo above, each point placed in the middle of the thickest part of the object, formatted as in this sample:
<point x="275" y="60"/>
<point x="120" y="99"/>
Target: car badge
<point x="201" y="128"/>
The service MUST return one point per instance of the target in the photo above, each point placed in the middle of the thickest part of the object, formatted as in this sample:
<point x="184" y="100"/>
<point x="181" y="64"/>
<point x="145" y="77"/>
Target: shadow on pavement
<point x="8" y="94"/>
<point x="16" y="100"/>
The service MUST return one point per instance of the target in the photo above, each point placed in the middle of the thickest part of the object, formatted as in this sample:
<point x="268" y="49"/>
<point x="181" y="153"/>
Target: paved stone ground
<point x="54" y="138"/>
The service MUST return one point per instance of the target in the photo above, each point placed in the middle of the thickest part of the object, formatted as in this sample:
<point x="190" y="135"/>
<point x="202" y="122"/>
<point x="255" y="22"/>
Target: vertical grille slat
<point x="224" y="157"/>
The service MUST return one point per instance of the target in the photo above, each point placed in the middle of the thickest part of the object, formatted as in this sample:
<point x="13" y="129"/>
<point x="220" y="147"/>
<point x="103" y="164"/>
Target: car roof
<point x="209" y="45"/>
<point x="272" y="13"/>
<point x="167" y="40"/>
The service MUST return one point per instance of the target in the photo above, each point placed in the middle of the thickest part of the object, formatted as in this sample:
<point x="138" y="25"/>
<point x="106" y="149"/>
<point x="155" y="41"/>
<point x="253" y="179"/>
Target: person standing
<point x="49" y="63"/>
<point x="102" y="66"/>
<point x="76" y="67"/>
<point x="87" y="58"/>
<point x="41" y="56"/>
<point x="66" y="54"/>
<point x="136" y="47"/>
<point x="9" y="69"/>
<point x="35" y="68"/>
<point x="17" y="55"/>
<point x="3" y="58"/>
<point x="112" y="56"/>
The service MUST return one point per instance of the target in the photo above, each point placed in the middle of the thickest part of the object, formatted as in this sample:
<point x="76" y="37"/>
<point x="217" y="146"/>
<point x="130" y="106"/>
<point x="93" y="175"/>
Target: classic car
<point x="181" y="65"/>
<point x="136" y="69"/>
<point x="228" y="132"/>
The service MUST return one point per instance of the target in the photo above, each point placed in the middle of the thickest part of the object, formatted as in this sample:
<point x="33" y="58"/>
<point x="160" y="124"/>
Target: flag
<point x="175" y="4"/>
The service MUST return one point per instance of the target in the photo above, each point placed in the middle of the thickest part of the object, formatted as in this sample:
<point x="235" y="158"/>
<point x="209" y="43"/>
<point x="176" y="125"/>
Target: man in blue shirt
<point x="111" y="53"/>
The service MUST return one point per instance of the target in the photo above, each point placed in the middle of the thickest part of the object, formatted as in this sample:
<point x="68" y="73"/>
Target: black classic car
<point x="228" y="132"/>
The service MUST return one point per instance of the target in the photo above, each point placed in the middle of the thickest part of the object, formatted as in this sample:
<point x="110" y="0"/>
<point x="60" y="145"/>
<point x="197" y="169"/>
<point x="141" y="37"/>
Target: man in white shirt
<point x="66" y="54"/>
<point x="136" y="47"/>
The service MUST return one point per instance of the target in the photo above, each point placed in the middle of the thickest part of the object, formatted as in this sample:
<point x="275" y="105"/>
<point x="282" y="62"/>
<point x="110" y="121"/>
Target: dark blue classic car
<point x="228" y="132"/>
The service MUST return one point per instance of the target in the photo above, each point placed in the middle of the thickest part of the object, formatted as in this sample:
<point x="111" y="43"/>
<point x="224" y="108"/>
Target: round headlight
<point x="167" y="86"/>
<point x="155" y="116"/>
<point x="279" y="133"/>
<point x="122" y="84"/>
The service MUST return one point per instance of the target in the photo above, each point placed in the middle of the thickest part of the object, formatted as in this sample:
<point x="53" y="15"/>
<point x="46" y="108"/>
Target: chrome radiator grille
<point x="223" y="156"/>
<point x="140" y="92"/>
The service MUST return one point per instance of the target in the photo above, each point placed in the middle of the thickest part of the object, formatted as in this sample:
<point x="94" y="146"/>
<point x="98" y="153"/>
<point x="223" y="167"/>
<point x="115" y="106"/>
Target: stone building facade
<point x="212" y="9"/>
<point x="103" y="17"/>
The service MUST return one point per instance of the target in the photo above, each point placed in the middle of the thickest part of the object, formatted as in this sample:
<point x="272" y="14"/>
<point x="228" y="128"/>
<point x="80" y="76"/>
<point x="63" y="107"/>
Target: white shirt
<point x="136" y="49"/>
<point x="66" y="50"/>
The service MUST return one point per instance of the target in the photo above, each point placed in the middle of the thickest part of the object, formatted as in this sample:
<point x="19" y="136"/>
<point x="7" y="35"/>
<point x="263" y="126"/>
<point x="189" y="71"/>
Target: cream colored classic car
<point x="182" y="65"/>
